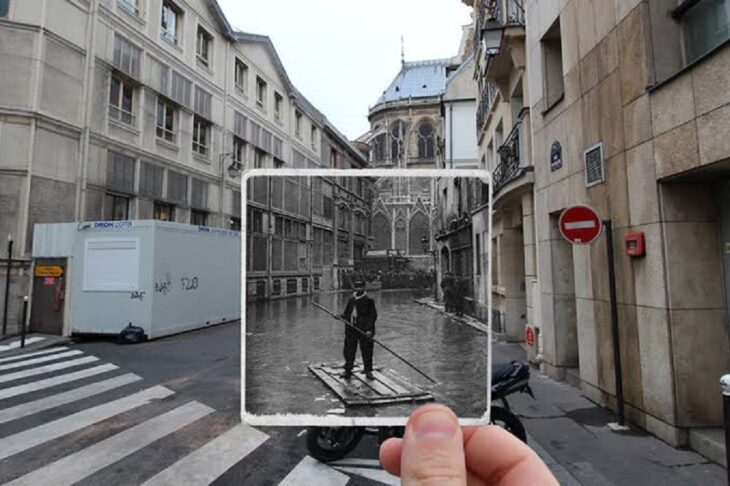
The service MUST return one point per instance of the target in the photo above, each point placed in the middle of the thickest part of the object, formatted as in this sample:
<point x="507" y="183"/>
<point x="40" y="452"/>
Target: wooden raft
<point x="387" y="388"/>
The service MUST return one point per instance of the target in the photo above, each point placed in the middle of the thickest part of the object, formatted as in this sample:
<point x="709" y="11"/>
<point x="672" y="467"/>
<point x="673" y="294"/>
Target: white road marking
<point x="375" y="474"/>
<point x="311" y="471"/>
<point x="204" y="465"/>
<point x="72" y="469"/>
<point x="47" y="403"/>
<point x="576" y="225"/>
<point x="55" y="381"/>
<point x="29" y="438"/>
<point x="47" y="369"/>
<point x="356" y="462"/>
<point x="16" y="344"/>
<point x="34" y="353"/>
<point x="42" y="359"/>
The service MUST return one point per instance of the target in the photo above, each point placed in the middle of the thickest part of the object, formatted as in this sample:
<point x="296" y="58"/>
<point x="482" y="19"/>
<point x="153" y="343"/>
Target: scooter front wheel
<point x="508" y="421"/>
<point x="329" y="444"/>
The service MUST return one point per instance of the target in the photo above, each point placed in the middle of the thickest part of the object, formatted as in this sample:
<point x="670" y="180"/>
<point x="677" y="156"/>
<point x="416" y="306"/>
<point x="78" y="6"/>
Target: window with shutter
<point x="203" y="102"/>
<point x="240" y="126"/>
<point x="278" y="148"/>
<point x="200" y="194"/>
<point x="177" y="187"/>
<point x="595" y="173"/>
<point x="150" y="180"/>
<point x="181" y="89"/>
<point x="255" y="130"/>
<point x="120" y="172"/>
<point x="126" y="56"/>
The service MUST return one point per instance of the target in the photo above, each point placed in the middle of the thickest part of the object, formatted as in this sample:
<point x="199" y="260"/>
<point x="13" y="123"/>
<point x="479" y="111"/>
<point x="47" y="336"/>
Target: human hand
<point x="369" y="334"/>
<point x="437" y="451"/>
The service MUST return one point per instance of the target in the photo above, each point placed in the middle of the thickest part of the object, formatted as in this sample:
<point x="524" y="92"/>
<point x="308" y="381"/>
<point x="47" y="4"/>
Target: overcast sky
<point x="342" y="54"/>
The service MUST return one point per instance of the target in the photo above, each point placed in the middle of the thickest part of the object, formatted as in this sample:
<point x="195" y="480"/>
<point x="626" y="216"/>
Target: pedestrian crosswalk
<point x="69" y="417"/>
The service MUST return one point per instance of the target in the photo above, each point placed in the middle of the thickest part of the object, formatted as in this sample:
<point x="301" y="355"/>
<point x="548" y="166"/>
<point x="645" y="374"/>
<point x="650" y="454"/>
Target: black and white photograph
<point x="361" y="293"/>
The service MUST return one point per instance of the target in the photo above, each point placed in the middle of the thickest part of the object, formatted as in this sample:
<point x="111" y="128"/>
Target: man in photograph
<point x="447" y="286"/>
<point x="362" y="314"/>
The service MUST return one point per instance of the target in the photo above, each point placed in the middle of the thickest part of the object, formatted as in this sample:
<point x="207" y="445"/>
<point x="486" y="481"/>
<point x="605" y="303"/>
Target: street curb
<point x="39" y="346"/>
<point x="479" y="327"/>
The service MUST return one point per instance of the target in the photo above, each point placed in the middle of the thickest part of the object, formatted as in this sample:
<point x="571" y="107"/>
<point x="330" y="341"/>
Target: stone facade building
<point x="139" y="109"/>
<point x="503" y="126"/>
<point x="458" y="198"/>
<point x="636" y="94"/>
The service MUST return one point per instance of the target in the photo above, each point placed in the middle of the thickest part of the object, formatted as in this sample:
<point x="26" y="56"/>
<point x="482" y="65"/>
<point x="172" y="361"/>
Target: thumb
<point x="433" y="449"/>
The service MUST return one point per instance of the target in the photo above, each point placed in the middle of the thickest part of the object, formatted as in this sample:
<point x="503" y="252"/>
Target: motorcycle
<point x="328" y="444"/>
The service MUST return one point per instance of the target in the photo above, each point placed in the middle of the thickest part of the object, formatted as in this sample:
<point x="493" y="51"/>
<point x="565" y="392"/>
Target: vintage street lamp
<point x="492" y="36"/>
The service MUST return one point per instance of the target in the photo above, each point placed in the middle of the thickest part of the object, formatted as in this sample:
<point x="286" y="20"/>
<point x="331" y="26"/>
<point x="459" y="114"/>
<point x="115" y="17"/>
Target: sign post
<point x="581" y="225"/>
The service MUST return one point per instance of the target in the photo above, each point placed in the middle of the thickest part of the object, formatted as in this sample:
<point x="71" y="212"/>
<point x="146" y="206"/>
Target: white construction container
<point x="166" y="278"/>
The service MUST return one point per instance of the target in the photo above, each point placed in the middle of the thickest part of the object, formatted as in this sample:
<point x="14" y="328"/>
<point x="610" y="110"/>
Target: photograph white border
<point x="299" y="420"/>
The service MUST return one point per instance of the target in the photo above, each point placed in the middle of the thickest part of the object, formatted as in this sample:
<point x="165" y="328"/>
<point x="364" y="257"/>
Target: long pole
<point x="7" y="284"/>
<point x="374" y="340"/>
<point x="614" y="322"/>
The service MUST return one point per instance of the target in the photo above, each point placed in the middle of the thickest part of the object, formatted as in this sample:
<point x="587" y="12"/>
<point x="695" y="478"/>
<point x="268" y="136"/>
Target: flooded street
<point x="284" y="337"/>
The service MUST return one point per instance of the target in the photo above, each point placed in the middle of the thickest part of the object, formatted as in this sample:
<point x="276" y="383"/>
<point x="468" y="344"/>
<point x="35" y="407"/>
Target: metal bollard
<point x="725" y="384"/>
<point x="23" y="321"/>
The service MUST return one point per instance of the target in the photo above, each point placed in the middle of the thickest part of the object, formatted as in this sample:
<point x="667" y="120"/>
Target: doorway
<point x="565" y="320"/>
<point x="49" y="296"/>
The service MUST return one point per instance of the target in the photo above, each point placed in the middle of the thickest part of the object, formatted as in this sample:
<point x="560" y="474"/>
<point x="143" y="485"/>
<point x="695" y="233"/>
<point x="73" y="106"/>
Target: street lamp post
<point x="234" y="172"/>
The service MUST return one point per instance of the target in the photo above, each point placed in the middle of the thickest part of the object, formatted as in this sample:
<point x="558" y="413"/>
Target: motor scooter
<point x="328" y="444"/>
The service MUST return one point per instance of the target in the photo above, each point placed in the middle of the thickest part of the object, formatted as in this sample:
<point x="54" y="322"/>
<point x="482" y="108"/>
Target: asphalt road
<point x="111" y="414"/>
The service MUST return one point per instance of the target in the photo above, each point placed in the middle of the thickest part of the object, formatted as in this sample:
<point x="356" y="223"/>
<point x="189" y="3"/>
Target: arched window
<point x="379" y="144"/>
<point x="381" y="232"/>
<point x="417" y="232"/>
<point x="426" y="141"/>
<point x="397" y="135"/>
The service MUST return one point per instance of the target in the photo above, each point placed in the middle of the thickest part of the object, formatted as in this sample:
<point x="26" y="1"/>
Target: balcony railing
<point x="513" y="161"/>
<point x="485" y="104"/>
<point x="508" y="12"/>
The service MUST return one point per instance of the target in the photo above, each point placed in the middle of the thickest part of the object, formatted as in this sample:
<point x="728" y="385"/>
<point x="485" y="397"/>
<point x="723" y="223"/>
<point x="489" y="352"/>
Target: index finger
<point x="498" y="457"/>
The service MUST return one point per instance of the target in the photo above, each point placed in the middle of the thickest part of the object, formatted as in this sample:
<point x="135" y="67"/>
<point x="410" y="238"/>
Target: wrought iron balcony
<point x="513" y="162"/>
<point x="507" y="12"/>
<point x="485" y="104"/>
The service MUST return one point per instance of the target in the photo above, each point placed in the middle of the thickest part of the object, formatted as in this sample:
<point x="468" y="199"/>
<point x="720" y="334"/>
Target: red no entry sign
<point x="580" y="225"/>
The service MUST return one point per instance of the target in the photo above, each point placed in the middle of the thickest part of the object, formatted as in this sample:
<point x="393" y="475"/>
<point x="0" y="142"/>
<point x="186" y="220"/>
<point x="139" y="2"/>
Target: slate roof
<point x="419" y="79"/>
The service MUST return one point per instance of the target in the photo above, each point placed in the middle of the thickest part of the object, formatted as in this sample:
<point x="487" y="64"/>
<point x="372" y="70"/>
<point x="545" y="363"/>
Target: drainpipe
<point x="451" y="135"/>
<point x="82" y="174"/>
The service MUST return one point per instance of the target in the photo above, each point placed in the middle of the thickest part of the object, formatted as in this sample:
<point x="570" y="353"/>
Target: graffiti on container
<point x="164" y="287"/>
<point x="189" y="283"/>
<point x="138" y="295"/>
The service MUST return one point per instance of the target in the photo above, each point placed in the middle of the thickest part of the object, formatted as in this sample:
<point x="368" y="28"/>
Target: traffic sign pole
<point x="581" y="225"/>
<point x="614" y="323"/>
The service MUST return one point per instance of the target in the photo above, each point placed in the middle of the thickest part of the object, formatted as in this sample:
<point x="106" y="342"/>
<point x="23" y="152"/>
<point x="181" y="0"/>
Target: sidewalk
<point x="10" y="346"/>
<point x="571" y="435"/>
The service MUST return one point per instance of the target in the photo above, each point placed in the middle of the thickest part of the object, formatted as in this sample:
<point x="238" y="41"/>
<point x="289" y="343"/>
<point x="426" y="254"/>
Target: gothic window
<point x="379" y="148"/>
<point x="426" y="141"/>
<point x="381" y="232"/>
<point x="397" y="132"/>
<point x="418" y="231"/>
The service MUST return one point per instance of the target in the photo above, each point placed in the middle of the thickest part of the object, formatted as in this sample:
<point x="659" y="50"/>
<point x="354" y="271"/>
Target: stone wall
<point x="672" y="302"/>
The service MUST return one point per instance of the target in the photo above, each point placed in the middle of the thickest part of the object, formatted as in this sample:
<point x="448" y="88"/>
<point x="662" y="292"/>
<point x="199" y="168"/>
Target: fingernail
<point x="435" y="425"/>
